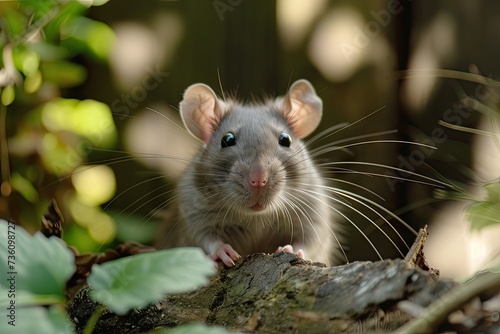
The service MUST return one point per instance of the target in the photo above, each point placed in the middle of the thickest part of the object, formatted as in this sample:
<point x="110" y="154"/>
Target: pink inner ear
<point x="201" y="111"/>
<point x="204" y="125"/>
<point x="300" y="118"/>
<point x="287" y="110"/>
<point x="205" y="118"/>
<point x="302" y="108"/>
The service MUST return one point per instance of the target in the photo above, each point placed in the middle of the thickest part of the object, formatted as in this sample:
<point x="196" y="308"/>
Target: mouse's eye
<point x="228" y="139"/>
<point x="284" y="139"/>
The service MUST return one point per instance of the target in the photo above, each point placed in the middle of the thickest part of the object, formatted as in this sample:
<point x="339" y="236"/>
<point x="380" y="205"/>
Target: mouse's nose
<point x="258" y="177"/>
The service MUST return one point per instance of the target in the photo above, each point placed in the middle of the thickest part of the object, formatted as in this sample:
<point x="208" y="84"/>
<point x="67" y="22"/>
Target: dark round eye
<point x="228" y="139"/>
<point x="284" y="139"/>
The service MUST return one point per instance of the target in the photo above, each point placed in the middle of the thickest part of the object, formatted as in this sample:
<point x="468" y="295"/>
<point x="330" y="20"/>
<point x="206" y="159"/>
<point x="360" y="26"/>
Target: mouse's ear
<point x="201" y="111"/>
<point x="302" y="108"/>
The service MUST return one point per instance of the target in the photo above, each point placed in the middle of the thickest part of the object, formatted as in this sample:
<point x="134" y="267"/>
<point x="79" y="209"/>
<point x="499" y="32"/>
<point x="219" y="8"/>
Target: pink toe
<point x="226" y="254"/>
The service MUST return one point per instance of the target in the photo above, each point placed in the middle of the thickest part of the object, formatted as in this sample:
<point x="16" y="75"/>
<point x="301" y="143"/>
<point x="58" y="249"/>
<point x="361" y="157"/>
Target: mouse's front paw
<point x="226" y="254"/>
<point x="289" y="249"/>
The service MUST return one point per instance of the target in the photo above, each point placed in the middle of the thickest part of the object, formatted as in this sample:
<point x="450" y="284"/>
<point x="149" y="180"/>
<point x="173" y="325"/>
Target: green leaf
<point x="49" y="52"/>
<point x="134" y="227"/>
<point x="62" y="11"/>
<point x="8" y="95"/>
<point x="93" y="37"/>
<point x="194" y="329"/>
<point x="33" y="82"/>
<point x="16" y="23"/>
<point x="79" y="237"/>
<point x="35" y="320"/>
<point x="482" y="214"/>
<point x="88" y="118"/>
<point x="24" y="187"/>
<point x="64" y="73"/>
<point x="493" y="190"/>
<point x="59" y="157"/>
<point x="25" y="298"/>
<point x="26" y="60"/>
<point x="89" y="3"/>
<point x="41" y="11"/>
<point x="37" y="264"/>
<point x="138" y="280"/>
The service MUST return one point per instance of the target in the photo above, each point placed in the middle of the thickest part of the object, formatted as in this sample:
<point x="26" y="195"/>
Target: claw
<point x="289" y="249"/>
<point x="226" y="254"/>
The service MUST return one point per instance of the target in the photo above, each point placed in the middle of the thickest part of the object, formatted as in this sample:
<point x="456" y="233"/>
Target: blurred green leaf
<point x="63" y="11"/>
<point x="134" y="227"/>
<point x="38" y="10"/>
<point x="26" y="60"/>
<point x="15" y="23"/>
<point x="138" y="280"/>
<point x="35" y="320"/>
<point x="482" y="214"/>
<point x="98" y="224"/>
<point x="194" y="329"/>
<point x="33" y="82"/>
<point x="89" y="3"/>
<point x="50" y="52"/>
<point x="8" y="95"/>
<point x="63" y="73"/>
<point x="94" y="184"/>
<point x="24" y="187"/>
<point x="26" y="298"/>
<point x="58" y="157"/>
<point x="493" y="190"/>
<point x="42" y="265"/>
<point x="78" y="236"/>
<point x="88" y="118"/>
<point x="92" y="37"/>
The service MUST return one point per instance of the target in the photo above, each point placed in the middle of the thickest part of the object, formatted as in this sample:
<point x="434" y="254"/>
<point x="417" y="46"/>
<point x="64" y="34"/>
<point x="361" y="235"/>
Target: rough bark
<point x="280" y="293"/>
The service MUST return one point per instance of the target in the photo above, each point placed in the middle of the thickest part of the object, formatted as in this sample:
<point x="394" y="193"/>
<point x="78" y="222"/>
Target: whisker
<point x="387" y="141"/>
<point x="170" y="121"/>
<point x="304" y="200"/>
<point x="357" y="186"/>
<point x="435" y="182"/>
<point x="387" y="176"/>
<point x="352" y="224"/>
<point x="116" y="197"/>
<point x="138" y="200"/>
<point x="293" y="207"/>
<point x="346" y="194"/>
<point x="392" y="215"/>
<point x="341" y="127"/>
<point x="332" y="144"/>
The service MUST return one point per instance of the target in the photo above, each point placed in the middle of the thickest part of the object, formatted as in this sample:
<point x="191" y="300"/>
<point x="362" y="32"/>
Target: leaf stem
<point x="89" y="328"/>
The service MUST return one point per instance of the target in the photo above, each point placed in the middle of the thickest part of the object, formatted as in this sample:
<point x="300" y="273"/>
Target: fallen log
<point x="280" y="293"/>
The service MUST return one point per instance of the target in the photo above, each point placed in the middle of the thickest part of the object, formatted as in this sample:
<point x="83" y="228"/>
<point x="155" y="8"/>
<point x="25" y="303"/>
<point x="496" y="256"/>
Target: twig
<point x="437" y="312"/>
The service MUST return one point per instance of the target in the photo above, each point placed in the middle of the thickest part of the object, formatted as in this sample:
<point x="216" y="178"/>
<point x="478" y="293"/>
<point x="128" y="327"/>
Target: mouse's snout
<point x="258" y="177"/>
<point x="260" y="183"/>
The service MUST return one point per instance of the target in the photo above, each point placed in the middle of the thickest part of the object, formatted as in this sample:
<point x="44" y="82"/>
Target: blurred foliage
<point x="54" y="66"/>
<point x="120" y="285"/>
<point x="39" y="297"/>
<point x="484" y="200"/>
<point x="136" y="281"/>
<point x="46" y="138"/>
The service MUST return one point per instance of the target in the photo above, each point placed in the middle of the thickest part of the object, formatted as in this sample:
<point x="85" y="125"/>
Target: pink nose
<point x="258" y="178"/>
<point x="258" y="182"/>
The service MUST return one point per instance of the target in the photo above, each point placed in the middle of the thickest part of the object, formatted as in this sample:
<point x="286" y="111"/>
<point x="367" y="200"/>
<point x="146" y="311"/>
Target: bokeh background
<point x="90" y="89"/>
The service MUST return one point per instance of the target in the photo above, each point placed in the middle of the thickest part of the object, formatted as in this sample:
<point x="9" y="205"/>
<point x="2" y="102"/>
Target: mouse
<point x="253" y="186"/>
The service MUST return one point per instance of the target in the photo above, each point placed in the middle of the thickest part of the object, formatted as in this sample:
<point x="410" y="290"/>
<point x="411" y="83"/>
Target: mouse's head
<point x="253" y="155"/>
